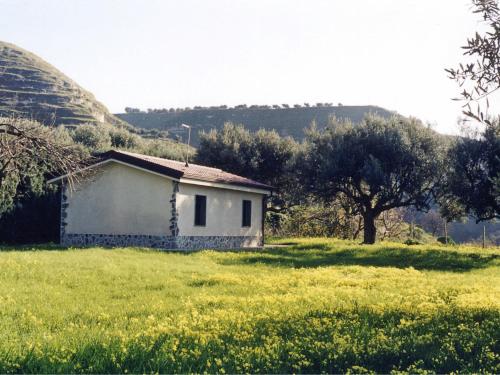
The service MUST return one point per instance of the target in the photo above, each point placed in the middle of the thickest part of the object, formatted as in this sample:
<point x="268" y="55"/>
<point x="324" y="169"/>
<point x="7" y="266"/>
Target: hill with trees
<point x="287" y="120"/>
<point x="32" y="88"/>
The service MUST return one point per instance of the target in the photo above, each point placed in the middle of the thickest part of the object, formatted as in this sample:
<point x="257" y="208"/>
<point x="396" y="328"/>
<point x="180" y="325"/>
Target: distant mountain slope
<point x="287" y="121"/>
<point x="31" y="87"/>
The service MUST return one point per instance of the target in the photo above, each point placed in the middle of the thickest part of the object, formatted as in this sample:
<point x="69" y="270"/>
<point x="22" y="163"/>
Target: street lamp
<point x="187" y="145"/>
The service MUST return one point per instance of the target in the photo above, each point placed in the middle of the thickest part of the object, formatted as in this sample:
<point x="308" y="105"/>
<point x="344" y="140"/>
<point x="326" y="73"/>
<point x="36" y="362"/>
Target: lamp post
<point x="189" y="140"/>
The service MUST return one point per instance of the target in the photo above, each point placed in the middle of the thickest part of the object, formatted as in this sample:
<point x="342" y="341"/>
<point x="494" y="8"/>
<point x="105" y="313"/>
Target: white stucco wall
<point x="121" y="200"/>
<point x="224" y="212"/>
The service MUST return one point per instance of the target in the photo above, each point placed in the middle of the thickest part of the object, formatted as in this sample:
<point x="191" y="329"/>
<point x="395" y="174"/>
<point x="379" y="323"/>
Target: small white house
<point x="137" y="200"/>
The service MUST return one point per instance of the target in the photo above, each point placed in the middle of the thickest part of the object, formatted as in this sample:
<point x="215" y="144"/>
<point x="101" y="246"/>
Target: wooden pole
<point x="445" y="232"/>
<point x="484" y="236"/>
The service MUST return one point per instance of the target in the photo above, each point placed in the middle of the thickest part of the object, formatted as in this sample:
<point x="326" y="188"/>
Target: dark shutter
<point x="247" y="213"/>
<point x="200" y="210"/>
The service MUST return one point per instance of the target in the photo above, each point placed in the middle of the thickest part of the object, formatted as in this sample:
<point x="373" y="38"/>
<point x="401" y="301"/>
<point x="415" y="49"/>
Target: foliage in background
<point x="102" y="137"/>
<point x="286" y="120"/>
<point x="472" y="185"/>
<point x="336" y="220"/>
<point x="29" y="153"/>
<point x="376" y="166"/>
<point x="314" y="220"/>
<point x="294" y="208"/>
<point x="473" y="180"/>
<point x="264" y="156"/>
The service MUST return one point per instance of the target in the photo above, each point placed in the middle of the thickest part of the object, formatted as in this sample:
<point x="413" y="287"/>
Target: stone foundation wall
<point x="112" y="240"/>
<point x="161" y="242"/>
<point x="217" y="242"/>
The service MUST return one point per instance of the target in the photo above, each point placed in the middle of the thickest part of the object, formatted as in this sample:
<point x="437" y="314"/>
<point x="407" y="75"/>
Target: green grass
<point x="312" y="306"/>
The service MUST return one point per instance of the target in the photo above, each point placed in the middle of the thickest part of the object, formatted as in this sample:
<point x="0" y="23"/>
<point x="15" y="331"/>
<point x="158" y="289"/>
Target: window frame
<point x="200" y="221"/>
<point x="246" y="205"/>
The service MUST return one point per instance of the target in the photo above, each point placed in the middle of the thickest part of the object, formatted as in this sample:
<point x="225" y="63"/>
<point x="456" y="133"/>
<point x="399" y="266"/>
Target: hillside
<point x="287" y="121"/>
<point x="31" y="87"/>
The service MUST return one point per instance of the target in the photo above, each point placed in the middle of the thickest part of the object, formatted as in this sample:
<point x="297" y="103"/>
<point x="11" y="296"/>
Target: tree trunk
<point x="446" y="232"/>
<point x="369" y="229"/>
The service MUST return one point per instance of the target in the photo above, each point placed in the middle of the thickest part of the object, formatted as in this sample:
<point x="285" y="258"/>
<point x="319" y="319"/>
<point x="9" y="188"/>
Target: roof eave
<point x="155" y="168"/>
<point x="226" y="185"/>
<point x="112" y="154"/>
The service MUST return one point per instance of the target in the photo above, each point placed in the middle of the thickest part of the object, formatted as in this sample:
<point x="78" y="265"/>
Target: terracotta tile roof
<point x="178" y="169"/>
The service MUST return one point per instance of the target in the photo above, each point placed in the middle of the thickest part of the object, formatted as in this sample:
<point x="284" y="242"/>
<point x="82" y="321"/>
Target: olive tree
<point x="264" y="156"/>
<point x="473" y="180"/>
<point x="472" y="184"/>
<point x="479" y="76"/>
<point x="378" y="165"/>
<point x="29" y="152"/>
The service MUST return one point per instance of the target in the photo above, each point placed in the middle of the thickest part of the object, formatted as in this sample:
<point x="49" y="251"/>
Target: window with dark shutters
<point x="247" y="213"/>
<point x="200" y="210"/>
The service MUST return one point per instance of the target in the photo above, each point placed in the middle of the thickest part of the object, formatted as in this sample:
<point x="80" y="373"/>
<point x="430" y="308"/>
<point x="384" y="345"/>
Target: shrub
<point x="94" y="137"/>
<point x="442" y="239"/>
<point x="411" y="241"/>
<point x="121" y="138"/>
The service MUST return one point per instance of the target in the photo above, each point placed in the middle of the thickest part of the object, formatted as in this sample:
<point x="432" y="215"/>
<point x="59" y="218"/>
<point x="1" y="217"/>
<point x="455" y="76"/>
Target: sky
<point x="157" y="54"/>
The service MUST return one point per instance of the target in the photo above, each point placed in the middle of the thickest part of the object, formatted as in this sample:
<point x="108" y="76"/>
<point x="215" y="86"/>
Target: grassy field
<point x="313" y="306"/>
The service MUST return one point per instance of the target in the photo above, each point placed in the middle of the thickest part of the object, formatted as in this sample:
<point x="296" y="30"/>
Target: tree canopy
<point x="472" y="185"/>
<point x="377" y="165"/>
<point x="480" y="75"/>
<point x="473" y="180"/>
<point x="264" y="156"/>
<point x="28" y="153"/>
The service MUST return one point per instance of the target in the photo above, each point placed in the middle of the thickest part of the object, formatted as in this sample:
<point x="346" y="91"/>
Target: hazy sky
<point x="390" y="53"/>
